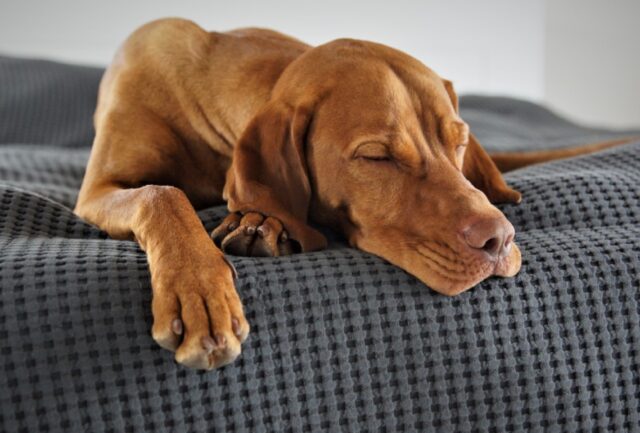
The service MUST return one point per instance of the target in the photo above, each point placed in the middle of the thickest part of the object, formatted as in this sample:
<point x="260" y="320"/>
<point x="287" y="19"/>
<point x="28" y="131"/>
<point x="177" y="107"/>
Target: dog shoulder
<point x="168" y="40"/>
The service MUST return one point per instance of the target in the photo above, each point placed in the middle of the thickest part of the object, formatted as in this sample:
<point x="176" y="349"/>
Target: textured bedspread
<point x="341" y="340"/>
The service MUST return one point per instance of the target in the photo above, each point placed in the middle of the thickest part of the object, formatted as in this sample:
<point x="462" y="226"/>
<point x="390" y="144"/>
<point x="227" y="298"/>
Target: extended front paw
<point x="197" y="312"/>
<point x="253" y="234"/>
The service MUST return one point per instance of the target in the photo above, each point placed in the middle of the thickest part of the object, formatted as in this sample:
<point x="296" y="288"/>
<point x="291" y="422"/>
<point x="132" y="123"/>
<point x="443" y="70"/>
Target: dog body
<point x="171" y="107"/>
<point x="351" y="134"/>
<point x="180" y="98"/>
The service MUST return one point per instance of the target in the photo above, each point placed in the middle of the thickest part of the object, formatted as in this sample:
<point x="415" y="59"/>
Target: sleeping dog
<point x="352" y="135"/>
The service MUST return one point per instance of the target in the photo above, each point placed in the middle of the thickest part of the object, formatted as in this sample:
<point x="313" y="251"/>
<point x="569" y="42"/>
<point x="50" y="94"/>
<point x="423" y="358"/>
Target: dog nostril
<point x="492" y="246"/>
<point x="493" y="236"/>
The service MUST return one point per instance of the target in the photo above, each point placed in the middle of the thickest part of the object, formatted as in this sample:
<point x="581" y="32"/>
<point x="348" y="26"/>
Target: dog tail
<point x="507" y="161"/>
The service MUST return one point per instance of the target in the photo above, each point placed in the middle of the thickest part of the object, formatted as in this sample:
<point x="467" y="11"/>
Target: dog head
<point x="367" y="140"/>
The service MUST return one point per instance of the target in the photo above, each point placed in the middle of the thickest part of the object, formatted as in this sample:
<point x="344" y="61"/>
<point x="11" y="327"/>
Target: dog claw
<point x="235" y="326"/>
<point x="176" y="326"/>
<point x="229" y="224"/>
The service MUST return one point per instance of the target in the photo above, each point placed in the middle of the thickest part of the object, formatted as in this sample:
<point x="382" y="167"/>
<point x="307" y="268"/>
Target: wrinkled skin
<point x="385" y="155"/>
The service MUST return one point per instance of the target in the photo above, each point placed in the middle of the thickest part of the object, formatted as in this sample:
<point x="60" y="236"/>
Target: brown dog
<point x="351" y="134"/>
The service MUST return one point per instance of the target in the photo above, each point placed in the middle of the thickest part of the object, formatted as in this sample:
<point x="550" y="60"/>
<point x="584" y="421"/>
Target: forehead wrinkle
<point x="424" y="89"/>
<point x="428" y="93"/>
<point x="407" y="108"/>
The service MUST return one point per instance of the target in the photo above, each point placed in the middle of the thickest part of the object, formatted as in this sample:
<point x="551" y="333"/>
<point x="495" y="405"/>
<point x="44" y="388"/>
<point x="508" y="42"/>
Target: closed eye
<point x="372" y="151"/>
<point x="376" y="158"/>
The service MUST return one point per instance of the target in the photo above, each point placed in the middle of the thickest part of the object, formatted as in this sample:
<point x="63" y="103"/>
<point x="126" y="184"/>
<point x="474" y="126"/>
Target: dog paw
<point x="197" y="312"/>
<point x="255" y="235"/>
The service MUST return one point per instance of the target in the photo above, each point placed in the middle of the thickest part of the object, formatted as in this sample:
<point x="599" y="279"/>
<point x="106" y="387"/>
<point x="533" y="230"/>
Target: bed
<point x="341" y="340"/>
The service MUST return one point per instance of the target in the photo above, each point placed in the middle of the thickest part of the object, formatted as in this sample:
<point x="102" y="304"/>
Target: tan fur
<point x="351" y="134"/>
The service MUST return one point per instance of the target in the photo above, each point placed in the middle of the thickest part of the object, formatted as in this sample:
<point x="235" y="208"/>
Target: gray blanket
<point x="341" y="340"/>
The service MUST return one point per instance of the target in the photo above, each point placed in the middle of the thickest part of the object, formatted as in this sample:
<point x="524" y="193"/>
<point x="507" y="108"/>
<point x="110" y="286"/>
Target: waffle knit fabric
<point x="341" y="340"/>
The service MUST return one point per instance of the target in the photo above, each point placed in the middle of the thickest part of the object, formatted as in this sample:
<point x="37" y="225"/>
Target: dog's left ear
<point x="479" y="168"/>
<point x="269" y="174"/>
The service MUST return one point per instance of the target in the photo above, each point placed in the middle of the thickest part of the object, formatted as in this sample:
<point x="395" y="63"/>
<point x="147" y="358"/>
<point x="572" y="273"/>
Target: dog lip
<point x="508" y="265"/>
<point x="493" y="267"/>
<point x="471" y="268"/>
<point x="480" y="266"/>
<point x="499" y="263"/>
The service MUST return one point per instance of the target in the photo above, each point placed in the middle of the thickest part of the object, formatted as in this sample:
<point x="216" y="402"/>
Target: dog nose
<point x="493" y="235"/>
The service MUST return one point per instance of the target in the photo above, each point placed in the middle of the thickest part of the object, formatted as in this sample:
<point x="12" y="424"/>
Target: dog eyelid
<point x="376" y="158"/>
<point x="372" y="150"/>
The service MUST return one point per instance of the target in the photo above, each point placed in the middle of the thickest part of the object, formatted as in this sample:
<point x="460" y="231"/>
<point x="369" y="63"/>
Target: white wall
<point x="579" y="56"/>
<point x="592" y="60"/>
<point x="494" y="46"/>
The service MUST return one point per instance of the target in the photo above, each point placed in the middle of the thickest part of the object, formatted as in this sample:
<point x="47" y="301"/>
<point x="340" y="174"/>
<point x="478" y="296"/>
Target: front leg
<point x="196" y="310"/>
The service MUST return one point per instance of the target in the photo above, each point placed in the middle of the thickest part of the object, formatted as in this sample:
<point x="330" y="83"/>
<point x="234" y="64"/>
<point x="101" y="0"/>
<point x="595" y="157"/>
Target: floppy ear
<point x="479" y="168"/>
<point x="269" y="175"/>
<point x="481" y="171"/>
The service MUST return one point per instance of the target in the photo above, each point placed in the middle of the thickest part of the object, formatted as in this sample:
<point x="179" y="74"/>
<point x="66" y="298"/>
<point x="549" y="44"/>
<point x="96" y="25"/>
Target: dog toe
<point x="266" y="243"/>
<point x="237" y="243"/>
<point x="167" y="326"/>
<point x="228" y="225"/>
<point x="254" y="235"/>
